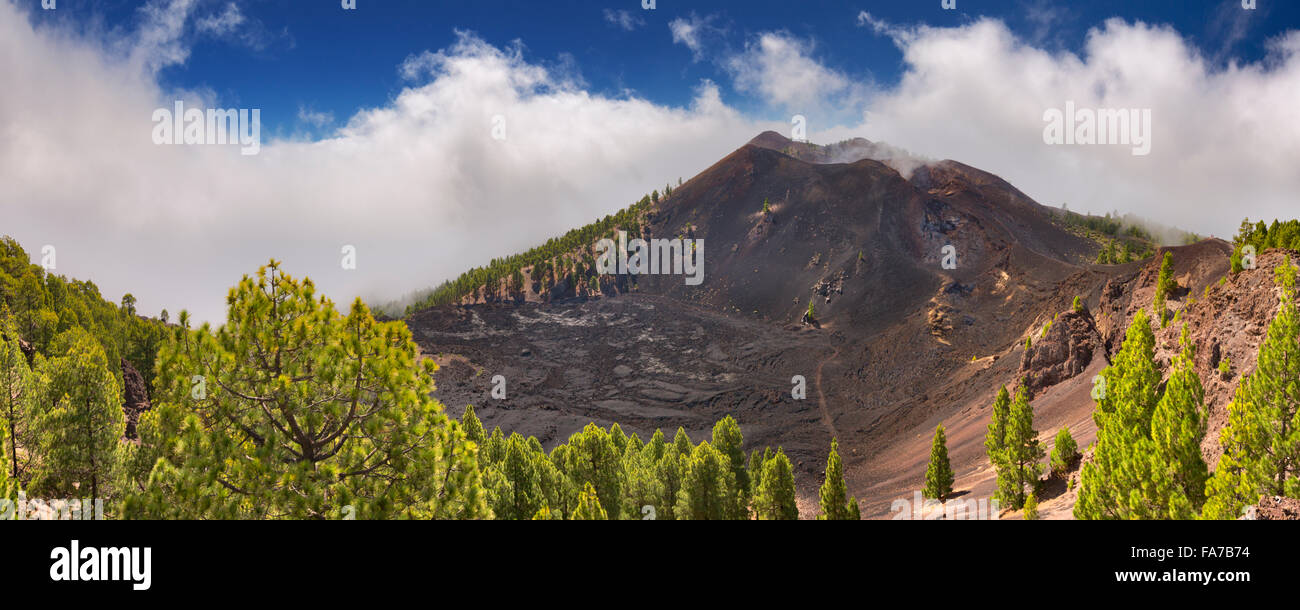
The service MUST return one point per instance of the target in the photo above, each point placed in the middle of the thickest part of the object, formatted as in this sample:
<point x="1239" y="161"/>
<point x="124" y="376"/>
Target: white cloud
<point x="880" y="26"/>
<point x="156" y="43"/>
<point x="232" y="25"/>
<point x="1224" y="142"/>
<point x="418" y="185"/>
<point x="692" y="32"/>
<point x="220" y="24"/>
<point x="780" y="69"/>
<point x="624" y="19"/>
<point x="314" y="117"/>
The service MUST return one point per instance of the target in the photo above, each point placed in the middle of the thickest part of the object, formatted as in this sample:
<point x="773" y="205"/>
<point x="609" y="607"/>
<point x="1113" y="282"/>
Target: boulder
<point x="1065" y="352"/>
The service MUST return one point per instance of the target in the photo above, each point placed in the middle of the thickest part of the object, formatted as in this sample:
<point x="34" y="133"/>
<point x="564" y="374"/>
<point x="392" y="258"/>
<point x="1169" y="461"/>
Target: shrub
<point x="1064" y="452"/>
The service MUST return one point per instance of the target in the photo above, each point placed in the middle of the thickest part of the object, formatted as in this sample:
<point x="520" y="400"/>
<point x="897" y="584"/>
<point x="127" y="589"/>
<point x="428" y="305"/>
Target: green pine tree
<point x="1261" y="441"/>
<point x="938" y="475"/>
<point x="292" y="409"/>
<point x="995" y="446"/>
<point x="79" y="421"/>
<point x="1147" y="461"/>
<point x="1031" y="507"/>
<point x="589" y="506"/>
<point x="708" y="489"/>
<point x="1023" y="452"/>
<point x="1177" y="428"/>
<point x="472" y="426"/>
<point x="1164" y="285"/>
<point x="728" y="440"/>
<point x="17" y="391"/>
<point x="670" y="470"/>
<point x="1064" y="451"/>
<point x="832" y="497"/>
<point x="775" y="497"/>
<point x="682" y="442"/>
<point x="593" y="457"/>
<point x="641" y="486"/>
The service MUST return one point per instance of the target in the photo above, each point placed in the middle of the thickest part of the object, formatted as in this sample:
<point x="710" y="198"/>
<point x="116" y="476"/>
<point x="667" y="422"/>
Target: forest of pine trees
<point x="295" y="409"/>
<point x="551" y="261"/>
<point x="1147" y="462"/>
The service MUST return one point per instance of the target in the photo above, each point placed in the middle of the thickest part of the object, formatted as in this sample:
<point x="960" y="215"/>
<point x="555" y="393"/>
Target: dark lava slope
<point x="903" y="343"/>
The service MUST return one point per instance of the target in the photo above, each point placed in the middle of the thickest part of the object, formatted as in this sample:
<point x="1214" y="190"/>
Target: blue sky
<point x="299" y="58"/>
<point x="377" y="123"/>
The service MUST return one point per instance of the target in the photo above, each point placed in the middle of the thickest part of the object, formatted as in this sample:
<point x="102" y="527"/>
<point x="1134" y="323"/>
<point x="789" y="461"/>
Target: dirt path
<point x="821" y="396"/>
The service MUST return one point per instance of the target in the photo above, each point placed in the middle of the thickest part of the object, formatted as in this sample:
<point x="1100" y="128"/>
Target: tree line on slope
<point x="566" y="256"/>
<point x="61" y="352"/>
<point x="1260" y="236"/>
<point x="44" y="305"/>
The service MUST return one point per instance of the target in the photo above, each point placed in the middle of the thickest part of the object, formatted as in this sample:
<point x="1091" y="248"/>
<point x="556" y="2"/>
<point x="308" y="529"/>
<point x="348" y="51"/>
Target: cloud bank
<point x="423" y="191"/>
<point x="419" y="186"/>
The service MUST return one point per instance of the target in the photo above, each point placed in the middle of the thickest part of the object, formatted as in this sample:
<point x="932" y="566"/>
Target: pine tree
<point x="1064" y="451"/>
<point x="775" y="497"/>
<point x="654" y="450"/>
<point x="834" y="504"/>
<point x="728" y="440"/>
<point x="1123" y="423"/>
<point x="682" y="442"/>
<point x="995" y="440"/>
<point x="589" y="508"/>
<point x="472" y="426"/>
<point x="521" y="496"/>
<point x="17" y="390"/>
<point x="1023" y="451"/>
<point x="995" y="445"/>
<point x="1261" y="441"/>
<point x="708" y="490"/>
<point x="1132" y="381"/>
<point x="7" y="490"/>
<point x="670" y="470"/>
<point x="938" y="475"/>
<point x="1147" y="461"/>
<point x="1164" y="285"/>
<point x="1031" y="507"/>
<point x="594" y="458"/>
<point x="292" y="409"/>
<point x="79" y="420"/>
<point x="641" y="486"/>
<point x="1177" y="428"/>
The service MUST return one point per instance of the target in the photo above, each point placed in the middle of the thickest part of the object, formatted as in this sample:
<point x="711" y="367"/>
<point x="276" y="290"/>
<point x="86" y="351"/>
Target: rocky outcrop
<point x="27" y="348"/>
<point x="135" y="397"/>
<point x="1066" y="351"/>
<point x="1275" y="508"/>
